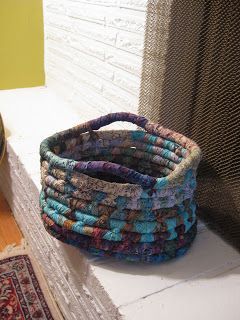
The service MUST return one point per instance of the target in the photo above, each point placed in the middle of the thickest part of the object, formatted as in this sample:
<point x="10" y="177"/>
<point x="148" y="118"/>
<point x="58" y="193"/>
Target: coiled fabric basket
<point x="121" y="193"/>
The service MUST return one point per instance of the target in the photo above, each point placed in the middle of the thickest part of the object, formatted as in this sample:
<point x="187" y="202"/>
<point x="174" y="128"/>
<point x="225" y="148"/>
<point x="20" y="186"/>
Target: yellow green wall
<point x="21" y="44"/>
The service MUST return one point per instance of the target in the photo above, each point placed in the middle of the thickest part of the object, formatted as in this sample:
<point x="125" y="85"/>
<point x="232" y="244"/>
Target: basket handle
<point x="128" y="174"/>
<point x="118" y="116"/>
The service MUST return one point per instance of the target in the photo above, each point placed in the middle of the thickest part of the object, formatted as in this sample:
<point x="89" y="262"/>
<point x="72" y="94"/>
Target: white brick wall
<point x="94" y="52"/>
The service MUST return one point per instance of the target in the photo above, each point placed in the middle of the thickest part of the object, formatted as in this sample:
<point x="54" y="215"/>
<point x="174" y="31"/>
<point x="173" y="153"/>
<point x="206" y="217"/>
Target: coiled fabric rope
<point x="121" y="193"/>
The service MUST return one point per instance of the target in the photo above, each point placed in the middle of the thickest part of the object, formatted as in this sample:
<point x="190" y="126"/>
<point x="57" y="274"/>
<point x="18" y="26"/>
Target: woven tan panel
<point x="191" y="83"/>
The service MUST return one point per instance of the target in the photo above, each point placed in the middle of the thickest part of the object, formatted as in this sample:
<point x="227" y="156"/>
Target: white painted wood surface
<point x="203" y="285"/>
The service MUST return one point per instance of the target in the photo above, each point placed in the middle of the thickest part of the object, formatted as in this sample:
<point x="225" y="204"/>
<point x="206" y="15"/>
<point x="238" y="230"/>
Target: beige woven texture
<point x="191" y="84"/>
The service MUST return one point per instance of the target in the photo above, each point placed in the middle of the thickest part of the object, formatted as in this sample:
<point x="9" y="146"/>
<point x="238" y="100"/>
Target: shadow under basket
<point x="127" y="194"/>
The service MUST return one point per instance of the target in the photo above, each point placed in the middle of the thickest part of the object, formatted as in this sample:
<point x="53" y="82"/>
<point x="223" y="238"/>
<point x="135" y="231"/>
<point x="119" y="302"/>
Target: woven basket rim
<point x="177" y="175"/>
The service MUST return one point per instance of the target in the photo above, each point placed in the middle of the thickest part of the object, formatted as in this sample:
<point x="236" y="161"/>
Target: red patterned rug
<point x="21" y="297"/>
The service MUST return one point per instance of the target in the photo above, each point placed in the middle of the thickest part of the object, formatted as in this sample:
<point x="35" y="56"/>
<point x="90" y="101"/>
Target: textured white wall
<point x="94" y="52"/>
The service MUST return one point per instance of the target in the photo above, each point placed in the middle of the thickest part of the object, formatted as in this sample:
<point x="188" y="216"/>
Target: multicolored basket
<point x="121" y="193"/>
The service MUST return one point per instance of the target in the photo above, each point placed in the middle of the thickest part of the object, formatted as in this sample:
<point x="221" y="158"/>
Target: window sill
<point x="92" y="288"/>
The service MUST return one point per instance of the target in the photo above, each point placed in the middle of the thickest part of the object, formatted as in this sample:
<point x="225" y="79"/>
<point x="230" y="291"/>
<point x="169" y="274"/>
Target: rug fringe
<point x="13" y="249"/>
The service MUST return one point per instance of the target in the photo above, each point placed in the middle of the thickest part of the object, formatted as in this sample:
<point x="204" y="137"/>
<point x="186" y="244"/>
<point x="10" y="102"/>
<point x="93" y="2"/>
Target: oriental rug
<point x="24" y="294"/>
